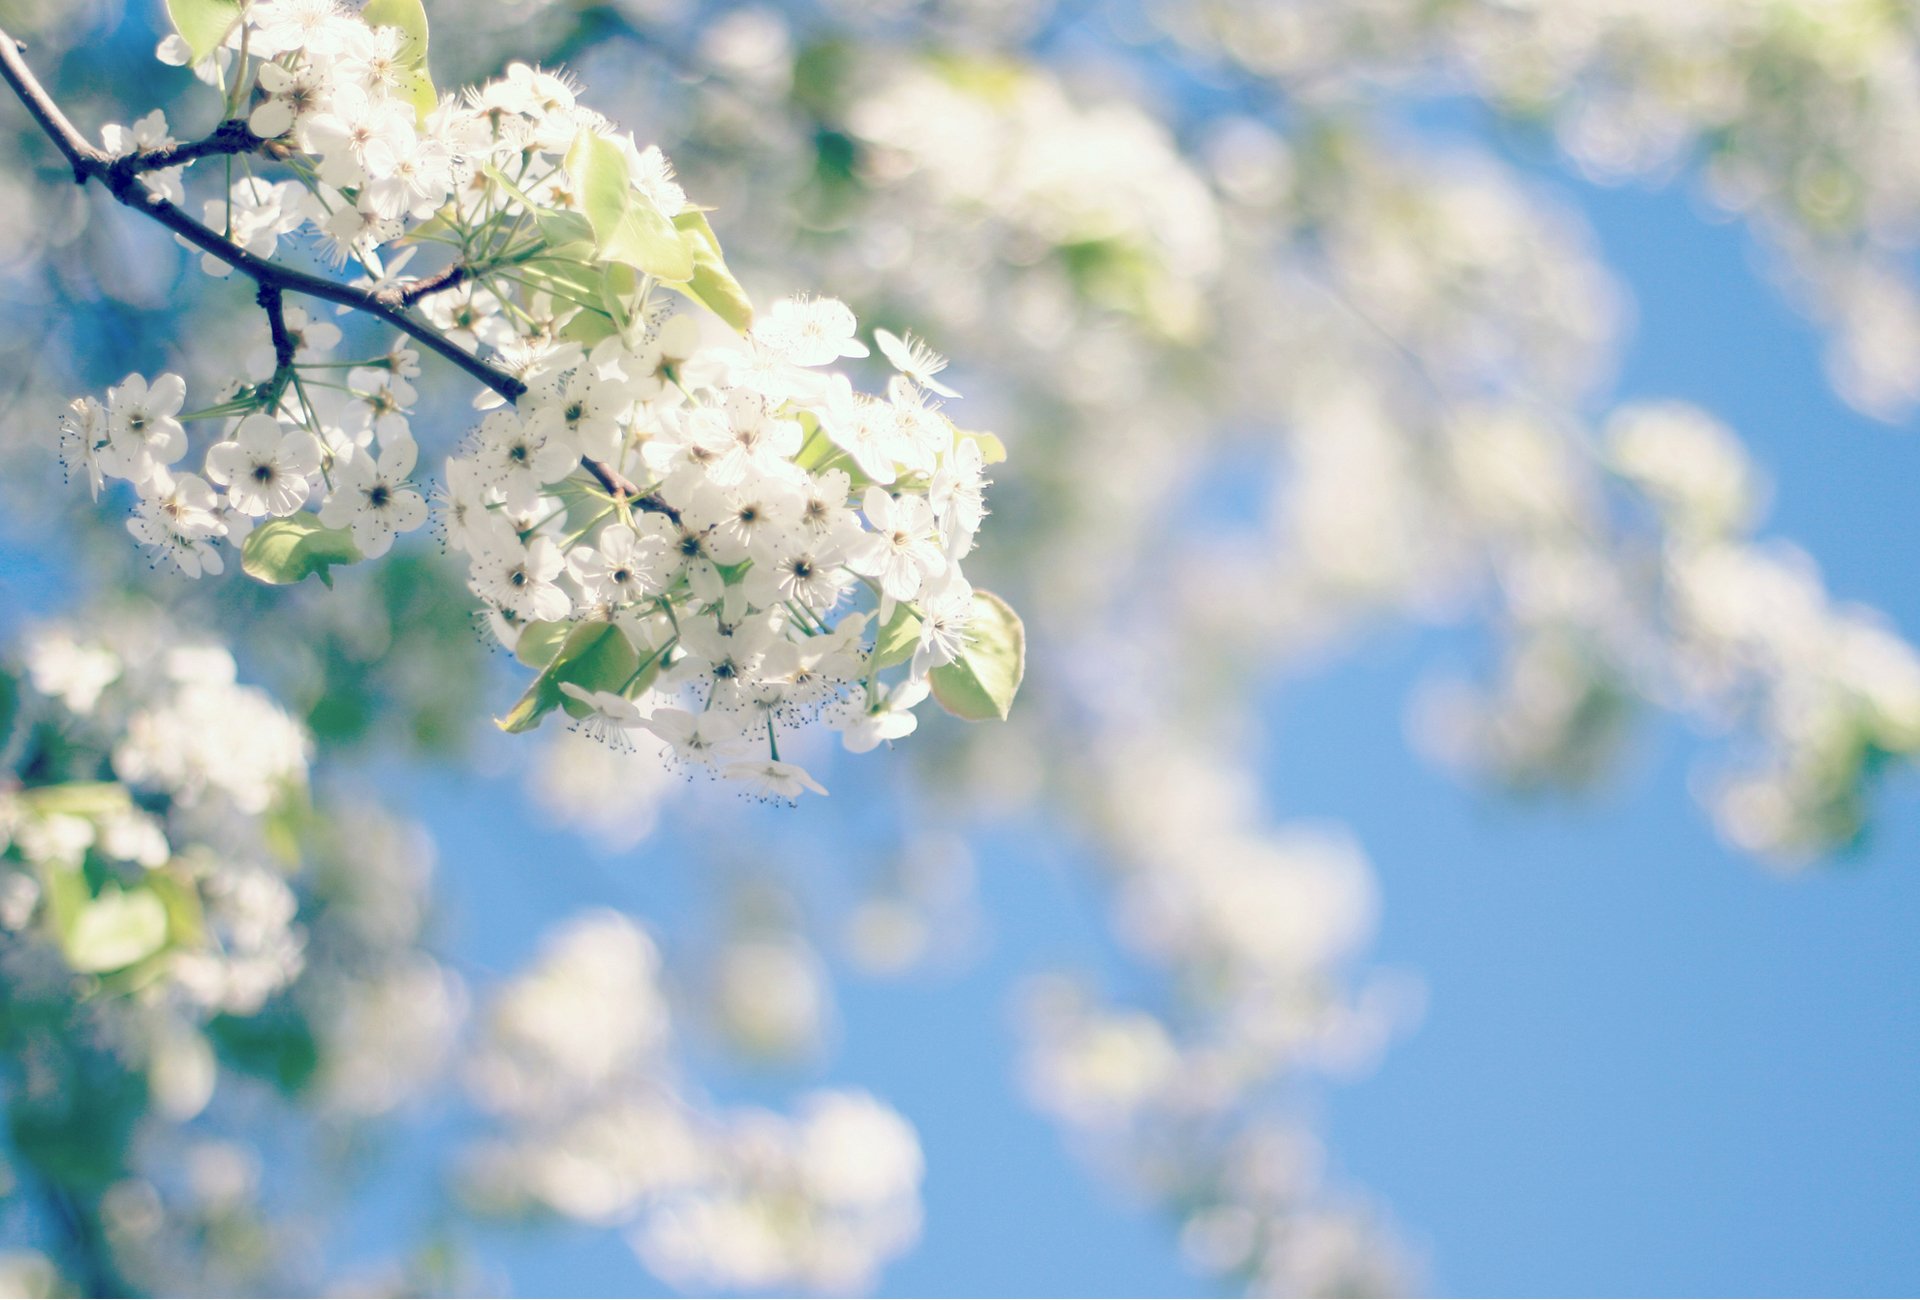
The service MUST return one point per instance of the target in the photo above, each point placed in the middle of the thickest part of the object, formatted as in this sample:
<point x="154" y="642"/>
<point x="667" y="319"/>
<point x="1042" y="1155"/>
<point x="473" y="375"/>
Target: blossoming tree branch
<point x="676" y="512"/>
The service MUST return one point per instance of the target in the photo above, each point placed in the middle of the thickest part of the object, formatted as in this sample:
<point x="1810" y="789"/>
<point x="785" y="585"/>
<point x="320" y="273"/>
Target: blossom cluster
<point x="169" y="864"/>
<point x="181" y="913"/>
<point x="705" y="532"/>
<point x="763" y="494"/>
<point x="574" y="1064"/>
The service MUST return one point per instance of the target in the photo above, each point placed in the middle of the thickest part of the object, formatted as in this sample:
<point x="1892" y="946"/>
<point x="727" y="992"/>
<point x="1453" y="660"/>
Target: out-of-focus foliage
<point x="1279" y="364"/>
<point x="191" y="936"/>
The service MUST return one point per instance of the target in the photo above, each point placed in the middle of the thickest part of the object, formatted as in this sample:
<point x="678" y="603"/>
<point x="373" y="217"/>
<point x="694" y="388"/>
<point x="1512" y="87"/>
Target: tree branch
<point x="446" y="278"/>
<point x="89" y="163"/>
<point x="232" y="136"/>
<point x="121" y="178"/>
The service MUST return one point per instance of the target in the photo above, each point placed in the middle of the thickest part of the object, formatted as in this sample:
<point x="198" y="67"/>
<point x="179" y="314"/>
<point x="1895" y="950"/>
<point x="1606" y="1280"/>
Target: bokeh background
<point x="1456" y="834"/>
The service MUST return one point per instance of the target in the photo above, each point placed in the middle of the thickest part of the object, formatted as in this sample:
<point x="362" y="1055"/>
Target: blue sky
<point x="1648" y="1065"/>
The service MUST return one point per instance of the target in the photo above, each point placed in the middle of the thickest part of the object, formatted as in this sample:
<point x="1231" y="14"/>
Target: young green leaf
<point x="203" y="24"/>
<point x="411" y="18"/>
<point x="992" y="450"/>
<point x="897" y="638"/>
<point x="712" y="285"/>
<point x="115" y="929"/>
<point x="980" y="685"/>
<point x="594" y="657"/>
<point x="286" y="550"/>
<point x="627" y="227"/>
<point x="76" y="799"/>
<point x="540" y="642"/>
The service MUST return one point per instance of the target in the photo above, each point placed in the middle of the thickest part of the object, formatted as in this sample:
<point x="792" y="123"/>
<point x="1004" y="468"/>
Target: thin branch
<point x="121" y="178"/>
<point x="284" y="345"/>
<point x="283" y="340"/>
<point x="232" y="136"/>
<point x="446" y="278"/>
<point x="124" y="184"/>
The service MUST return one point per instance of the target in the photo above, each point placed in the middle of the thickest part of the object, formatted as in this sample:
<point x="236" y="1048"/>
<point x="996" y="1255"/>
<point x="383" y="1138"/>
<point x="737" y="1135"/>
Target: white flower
<point x="695" y="737"/>
<point x="914" y="359"/>
<point x="889" y="717"/>
<point x="626" y="565"/>
<point x="146" y="134"/>
<point x="266" y="469"/>
<point x="810" y="331"/>
<point x="315" y="28"/>
<point x="867" y="429"/>
<point x="652" y="175"/>
<point x="757" y="444"/>
<point x="144" y="434"/>
<point x="73" y="672"/>
<point x="805" y="569"/>
<point x="176" y="519"/>
<point x="946" y="620"/>
<point x="902" y="550"/>
<point x="372" y="498"/>
<point x="83" y="437"/>
<point x="521" y="579"/>
<point x="293" y="96"/>
<point x="613" y="714"/>
<point x="418" y="181"/>
<point x="520" y="459"/>
<point x="958" y="496"/>
<point x="357" y="136"/>
<point x="584" y="413"/>
<point x="770" y="778"/>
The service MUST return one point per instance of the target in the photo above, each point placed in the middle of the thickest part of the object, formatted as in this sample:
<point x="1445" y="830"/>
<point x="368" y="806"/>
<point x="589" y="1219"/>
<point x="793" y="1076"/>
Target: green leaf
<point x="594" y="657"/>
<point x="560" y="226"/>
<point x="980" y="685"/>
<point x="992" y="450"/>
<point x="186" y="918"/>
<point x="115" y="929"/>
<point x="418" y="89"/>
<point x="540" y="642"/>
<point x="276" y="1044"/>
<point x="588" y="328"/>
<point x="77" y="799"/>
<point x="203" y="24"/>
<point x="712" y="285"/>
<point x="566" y="275"/>
<point x="627" y="227"/>
<point x="897" y="638"/>
<point x="411" y="18"/>
<point x="286" y="550"/>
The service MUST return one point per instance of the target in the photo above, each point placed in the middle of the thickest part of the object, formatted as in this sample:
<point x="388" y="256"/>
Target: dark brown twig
<point x="232" y="136"/>
<point x="121" y="178"/>
<point x="124" y="184"/>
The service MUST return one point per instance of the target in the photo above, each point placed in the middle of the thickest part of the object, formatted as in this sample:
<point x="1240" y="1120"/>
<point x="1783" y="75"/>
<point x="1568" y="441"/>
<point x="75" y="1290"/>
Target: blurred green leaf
<point x="411" y="18"/>
<point x="980" y="685"/>
<point x="897" y="638"/>
<point x="114" y="929"/>
<point x="77" y="799"/>
<point x="203" y="24"/>
<point x="594" y="657"/>
<point x="286" y="550"/>
<point x="627" y="227"/>
<point x="712" y="285"/>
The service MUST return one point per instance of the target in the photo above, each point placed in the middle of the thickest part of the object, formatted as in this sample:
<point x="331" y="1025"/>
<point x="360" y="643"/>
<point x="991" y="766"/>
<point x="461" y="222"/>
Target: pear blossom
<point x="373" y="499"/>
<point x="143" y="432"/>
<point x="265" y="467"/>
